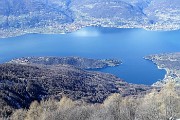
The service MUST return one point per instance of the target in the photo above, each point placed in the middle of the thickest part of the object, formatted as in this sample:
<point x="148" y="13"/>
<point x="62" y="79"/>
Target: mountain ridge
<point x="61" y="16"/>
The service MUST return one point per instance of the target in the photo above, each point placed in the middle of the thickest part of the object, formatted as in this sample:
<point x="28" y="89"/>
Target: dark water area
<point x="128" y="45"/>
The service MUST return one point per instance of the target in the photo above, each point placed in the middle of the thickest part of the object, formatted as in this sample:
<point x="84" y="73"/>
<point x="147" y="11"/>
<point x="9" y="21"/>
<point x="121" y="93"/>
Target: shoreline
<point x="20" y="32"/>
<point x="160" y="68"/>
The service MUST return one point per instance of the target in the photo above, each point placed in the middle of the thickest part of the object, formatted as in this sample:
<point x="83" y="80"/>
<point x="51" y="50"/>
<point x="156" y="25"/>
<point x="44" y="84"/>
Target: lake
<point x="128" y="45"/>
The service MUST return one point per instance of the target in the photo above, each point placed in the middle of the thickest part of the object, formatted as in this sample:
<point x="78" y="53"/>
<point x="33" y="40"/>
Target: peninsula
<point x="24" y="80"/>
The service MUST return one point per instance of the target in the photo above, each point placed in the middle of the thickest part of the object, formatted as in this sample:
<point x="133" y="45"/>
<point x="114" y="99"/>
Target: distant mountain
<point x="108" y="9"/>
<point x="164" y="12"/>
<point x="33" y="13"/>
<point x="59" y="16"/>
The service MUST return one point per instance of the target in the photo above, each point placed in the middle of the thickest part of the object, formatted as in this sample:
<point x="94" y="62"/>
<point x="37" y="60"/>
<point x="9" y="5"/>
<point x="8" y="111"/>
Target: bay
<point x="128" y="45"/>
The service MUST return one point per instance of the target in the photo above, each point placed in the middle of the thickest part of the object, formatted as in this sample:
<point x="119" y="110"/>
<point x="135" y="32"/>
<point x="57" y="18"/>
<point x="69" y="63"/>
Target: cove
<point x="128" y="45"/>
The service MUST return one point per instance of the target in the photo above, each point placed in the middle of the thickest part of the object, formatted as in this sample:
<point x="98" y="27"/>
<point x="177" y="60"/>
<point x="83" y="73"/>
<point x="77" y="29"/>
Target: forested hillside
<point x="163" y="105"/>
<point x="27" y="79"/>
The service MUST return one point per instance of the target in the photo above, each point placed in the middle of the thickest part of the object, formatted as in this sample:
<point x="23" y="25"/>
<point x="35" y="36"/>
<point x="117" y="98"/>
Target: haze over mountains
<point x="58" y="16"/>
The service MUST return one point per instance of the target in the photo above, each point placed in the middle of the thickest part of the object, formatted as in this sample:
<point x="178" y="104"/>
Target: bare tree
<point x="19" y="115"/>
<point x="34" y="111"/>
<point x="171" y="101"/>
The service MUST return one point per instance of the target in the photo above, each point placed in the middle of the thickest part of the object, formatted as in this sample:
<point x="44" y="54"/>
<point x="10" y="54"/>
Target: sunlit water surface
<point x="128" y="45"/>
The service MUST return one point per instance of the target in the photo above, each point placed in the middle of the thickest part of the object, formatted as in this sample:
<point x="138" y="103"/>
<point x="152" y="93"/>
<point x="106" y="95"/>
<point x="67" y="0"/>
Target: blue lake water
<point x="128" y="45"/>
